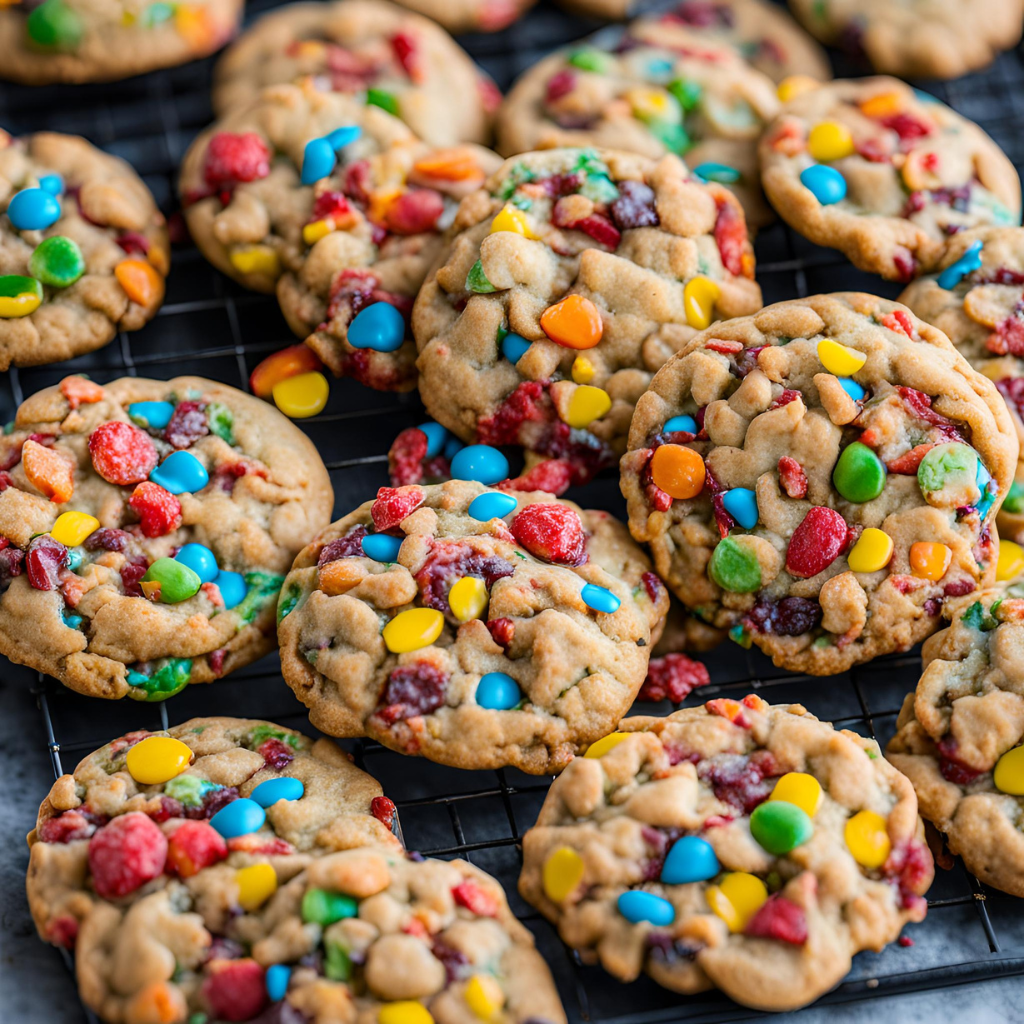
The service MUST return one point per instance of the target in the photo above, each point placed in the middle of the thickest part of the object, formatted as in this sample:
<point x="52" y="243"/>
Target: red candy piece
<point x="731" y="237"/>
<point x="476" y="900"/>
<point x="234" y="990"/>
<point x="393" y="505"/>
<point x="552" y="532"/>
<point x="598" y="227"/>
<point x="413" y="690"/>
<point x="195" y="845"/>
<point x="62" y="931"/>
<point x="792" y="477"/>
<point x="907" y="464"/>
<point x="502" y="631"/>
<point x="122" y="454"/>
<point x="44" y="561"/>
<point x="898" y="320"/>
<point x="158" y="510"/>
<point x="552" y="475"/>
<point x="66" y="828"/>
<point x="816" y="543"/>
<point x="126" y="854"/>
<point x="408" y="462"/>
<point x="674" y="676"/>
<point x="383" y="809"/>
<point x="559" y="84"/>
<point x="780" y="919"/>
<point x="232" y="158"/>
<point x="414" y="212"/>
<point x="407" y="54"/>
<point x="276" y="753"/>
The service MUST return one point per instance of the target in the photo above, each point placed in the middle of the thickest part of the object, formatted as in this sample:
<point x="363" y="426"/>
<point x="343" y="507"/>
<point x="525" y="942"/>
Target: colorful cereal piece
<point x="180" y="473"/>
<point x="826" y="184"/>
<point x="318" y="160"/>
<point x="867" y="839"/>
<point x="140" y="281"/>
<point x="852" y="388"/>
<point x="379" y="326"/>
<point x="266" y="794"/>
<point x="562" y="873"/>
<point x="799" y="789"/>
<point x="157" y="759"/>
<point x="639" y="907"/>
<point x="859" y="475"/>
<point x="484" y="996"/>
<point x="49" y="471"/>
<point x="170" y="582"/>
<point x="735" y="567"/>
<point x="256" y="884"/>
<point x="600" y="599"/>
<point x="381" y="547"/>
<point x="19" y="295"/>
<point x="691" y="859"/>
<point x="492" y="505"/>
<point x="829" y="141"/>
<point x="33" y="209"/>
<point x="322" y="907"/>
<point x="232" y="587"/>
<point x="678" y="471"/>
<point x="795" y="85"/>
<point x="840" y="359"/>
<point x="737" y="898"/>
<point x="71" y="528"/>
<point x="468" y="598"/>
<point x="1008" y="774"/>
<point x="929" y="560"/>
<point x="968" y="263"/>
<point x="722" y="173"/>
<point x="276" y="979"/>
<point x="586" y="405"/>
<point x="57" y="261"/>
<point x="511" y="219"/>
<point x="239" y="818"/>
<point x="680" y="423"/>
<point x="873" y="551"/>
<point x="1009" y="565"/>
<point x="741" y="504"/>
<point x="200" y="559"/>
<point x="479" y="462"/>
<point x="514" y="347"/>
<point x="436" y="437"/>
<point x="413" y="629"/>
<point x="256" y="259"/>
<point x="575" y="322"/>
<point x="154" y="415"/>
<point x="289" y="362"/>
<point x="601" y="747"/>
<point x="780" y="826"/>
<point x="498" y="691"/>
<point x="699" y="297"/>
<point x="406" y="1011"/>
<point x="301" y="396"/>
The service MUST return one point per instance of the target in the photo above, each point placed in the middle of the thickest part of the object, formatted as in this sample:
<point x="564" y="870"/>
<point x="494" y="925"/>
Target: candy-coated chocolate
<point x="840" y="359"/>
<point x="180" y="473"/>
<point x="140" y="280"/>
<point x="267" y="793"/>
<point x="276" y="979"/>
<point x="52" y="183"/>
<point x="873" y="551"/>
<point x="691" y="859"/>
<point x="171" y="582"/>
<point x="737" y="898"/>
<point x="312" y="233"/>
<point x="800" y="789"/>
<point x="947" y="472"/>
<point x="699" y="297"/>
<point x="468" y="598"/>
<point x="826" y="184"/>
<point x="492" y="505"/>
<point x="322" y="907"/>
<point x="498" y="691"/>
<point x="1008" y="775"/>
<point x="735" y="567"/>
<point x="722" y="173"/>
<point x="288" y="362"/>
<point x="200" y="559"/>
<point x="852" y="388"/>
<point x="795" y="85"/>
<point x="256" y="259"/>
<point x="71" y="528"/>
<point x="452" y="447"/>
<point x="383" y="99"/>
<point x="484" y="996"/>
<point x="256" y="884"/>
<point x="780" y="826"/>
<point x="968" y="263"/>
<point x="33" y="209"/>
<point x="57" y="261"/>
<point x="381" y="547"/>
<point x="741" y="504"/>
<point x="155" y="415"/>
<point x="867" y="839"/>
<point x="586" y="405"/>
<point x="514" y="347"/>
<point x="1009" y="565"/>
<point x="829" y="140"/>
<point x="583" y="371"/>
<point x="476" y="280"/>
<point x="511" y="219"/>
<point x="406" y="1011"/>
<point x="302" y="396"/>
<point x="680" y="423"/>
<point x="575" y="322"/>
<point x="480" y="462"/>
<point x="601" y="747"/>
<point x="379" y="326"/>
<point x="600" y="599"/>
<point x="930" y="560"/>
<point x="19" y="295"/>
<point x="562" y="873"/>
<point x="436" y="437"/>
<point x="859" y="475"/>
<point x="232" y="587"/>
<point x="678" y="471"/>
<point x="413" y="629"/>
<point x="343" y="136"/>
<point x="157" y="759"/>
<point x="239" y="818"/>
<point x="638" y="906"/>
<point x="318" y="160"/>
<point x="55" y="25"/>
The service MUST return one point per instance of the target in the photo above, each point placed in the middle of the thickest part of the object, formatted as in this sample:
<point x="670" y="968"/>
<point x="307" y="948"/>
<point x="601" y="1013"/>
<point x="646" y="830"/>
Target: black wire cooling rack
<point x="211" y="327"/>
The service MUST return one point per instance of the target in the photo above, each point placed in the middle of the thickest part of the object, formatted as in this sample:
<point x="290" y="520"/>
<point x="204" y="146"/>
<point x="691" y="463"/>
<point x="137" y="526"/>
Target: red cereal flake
<point x="407" y="53"/>
<point x="907" y="463"/>
<point x="551" y="475"/>
<point x="259" y="845"/>
<point x="193" y="846"/>
<point x="552" y="532"/>
<point x="121" y="453"/>
<point x="232" y="158"/>
<point x="63" y="931"/>
<point x="126" y="854"/>
<point x="79" y="391"/>
<point x="49" y="471"/>
<point x="816" y="543"/>
<point x="187" y="424"/>
<point x="675" y="677"/>
<point x="792" y="477"/>
<point x="725" y="347"/>
<point x="899" y="320"/>
<point x="66" y="828"/>
<point x="476" y="900"/>
<point x="276" y="753"/>
<point x="412" y="690"/>
<point x="234" y="990"/>
<point x="383" y="809"/>
<point x="414" y="212"/>
<point x="158" y="510"/>
<point x="559" y="84"/>
<point x="779" y="918"/>
<point x="731" y="237"/>
<point x="393" y="504"/>
<point x="44" y="561"/>
<point x="502" y="631"/>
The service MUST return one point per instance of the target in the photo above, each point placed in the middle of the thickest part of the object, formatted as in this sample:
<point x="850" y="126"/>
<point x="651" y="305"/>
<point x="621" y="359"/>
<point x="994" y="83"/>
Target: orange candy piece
<point x="929" y="560"/>
<point x="48" y="471"/>
<point x="678" y="471"/>
<point x="157" y="1003"/>
<point x="140" y="281"/>
<point x="340" y="576"/>
<point x="455" y="164"/>
<point x="575" y="322"/>
<point x="289" y="362"/>
<point x="79" y="391"/>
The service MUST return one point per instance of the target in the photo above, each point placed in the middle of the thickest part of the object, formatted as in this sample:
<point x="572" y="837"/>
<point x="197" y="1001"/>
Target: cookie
<point x="357" y="238"/>
<point x="78" y="41"/>
<point x="471" y="15"/>
<point x="738" y="845"/>
<point x="819" y="477"/>
<point x="83" y="248"/>
<point x="371" y="49"/>
<point x="145" y="530"/>
<point x="960" y="732"/>
<point x="567" y="281"/>
<point x="977" y="298"/>
<point x="478" y="628"/>
<point x="884" y="174"/>
<point x="916" y="38"/>
<point x="648" y="89"/>
<point x="166" y="857"/>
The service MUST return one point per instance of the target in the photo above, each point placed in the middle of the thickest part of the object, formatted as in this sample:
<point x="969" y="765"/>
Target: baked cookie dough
<point x="960" y="733"/>
<point x="648" y="89"/>
<point x="83" y="248"/>
<point x="361" y="234"/>
<point x="459" y="16"/>
<point x="80" y="41"/>
<point x="916" y="38"/>
<point x="145" y="530"/>
<point x="884" y="174"/>
<point x="567" y="281"/>
<point x="478" y="628"/>
<point x="737" y="845"/>
<point x="819" y="477"/>
<point x="372" y="49"/>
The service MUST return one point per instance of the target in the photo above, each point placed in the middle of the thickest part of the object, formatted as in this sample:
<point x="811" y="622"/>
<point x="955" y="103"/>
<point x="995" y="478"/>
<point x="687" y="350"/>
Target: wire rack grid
<point x="209" y="326"/>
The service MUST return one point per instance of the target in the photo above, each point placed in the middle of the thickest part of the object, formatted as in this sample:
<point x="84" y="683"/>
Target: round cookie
<point x="976" y="299"/>
<point x="369" y="48"/>
<point x="737" y="845"/>
<point x="839" y="479"/>
<point x="145" y="530"/>
<point x="916" y="38"/>
<point x="79" y="41"/>
<point x="648" y="89"/>
<point x="884" y="174"/>
<point x="644" y="257"/>
<point x="362" y="233"/>
<point x="458" y="16"/>
<point x="83" y="248"/>
<point x="959" y="734"/>
<point x="539" y="651"/>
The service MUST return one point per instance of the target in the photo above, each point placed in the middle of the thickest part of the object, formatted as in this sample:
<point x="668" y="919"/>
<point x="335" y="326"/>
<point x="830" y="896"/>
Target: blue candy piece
<point x="343" y="136"/>
<point x="480" y="462"/>
<point x="33" y="209"/>
<point x="722" y="173"/>
<point x="691" y="859"/>
<point x="659" y="67"/>
<point x="381" y="547"/>
<point x="741" y="504"/>
<point x="179" y="473"/>
<point x="200" y="559"/>
<point x="492" y="505"/>
<point x="452" y="447"/>
<point x="988" y="493"/>
<point x="926" y="97"/>
<point x="969" y="262"/>
<point x="318" y="160"/>
<point x="436" y="437"/>
<point x="266" y="794"/>
<point x="232" y="587"/>
<point x="71" y="621"/>
<point x="155" y="415"/>
<point x="498" y="692"/>
<point x="852" y="388"/>
<point x="826" y="184"/>
<point x="379" y="327"/>
<point x="687" y="423"/>
<point x="513" y="347"/>
<point x="239" y="818"/>
<point x="276" y="980"/>
<point x="637" y="906"/>
<point x="599" y="598"/>
<point x="52" y="183"/>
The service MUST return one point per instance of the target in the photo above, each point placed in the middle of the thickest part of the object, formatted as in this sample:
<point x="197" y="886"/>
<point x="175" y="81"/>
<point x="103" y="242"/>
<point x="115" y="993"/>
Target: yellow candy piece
<point x="12" y="306"/>
<point x="1009" y="565"/>
<point x="256" y="884"/>
<point x="1009" y="772"/>
<point x="605" y="743"/>
<point x="562" y="873"/>
<point x="699" y="298"/>
<point x="157" y="759"/>
<point x="873" y="551"/>
<point x="312" y="233"/>
<point x="511" y="219"/>
<point x="586" y="405"/>
<point x="301" y="396"/>
<point x="795" y="85"/>
<point x="737" y="898"/>
<point x="649" y="104"/>
<point x="256" y="259"/>
<point x="468" y="598"/>
<point x="829" y="140"/>
<point x="407" y="1011"/>
<point x="800" y="789"/>
<point x="582" y="370"/>
<point x="412" y="629"/>
<point x="484" y="996"/>
<point x="841" y="360"/>
<point x="867" y="839"/>
<point x="72" y="528"/>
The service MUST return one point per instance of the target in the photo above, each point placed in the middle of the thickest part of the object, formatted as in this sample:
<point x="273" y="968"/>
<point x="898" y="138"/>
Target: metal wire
<point x="211" y="327"/>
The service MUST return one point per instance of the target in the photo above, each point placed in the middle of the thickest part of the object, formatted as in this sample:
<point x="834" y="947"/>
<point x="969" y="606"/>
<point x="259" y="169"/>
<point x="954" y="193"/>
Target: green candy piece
<point x="157" y="13"/>
<point x="672" y="136"/>
<point x="188" y="789"/>
<point x="169" y="679"/>
<point x="859" y="474"/>
<point x="57" y="261"/>
<point x="177" y="581"/>
<point x="686" y="92"/>
<point x="948" y="475"/>
<point x="735" y="568"/>
<point x="287" y="602"/>
<point x="780" y="826"/>
<point x="263" y="587"/>
<point x="13" y="285"/>
<point x="337" y="964"/>
<point x="519" y="175"/>
<point x="319" y="906"/>
<point x="221" y="420"/>
<point x="54" y="25"/>
<point x="262" y="733"/>
<point x="589" y="60"/>
<point x="476" y="280"/>
<point x="385" y="100"/>
<point x="738" y="635"/>
<point x="599" y="188"/>
<point x="1015" y="499"/>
